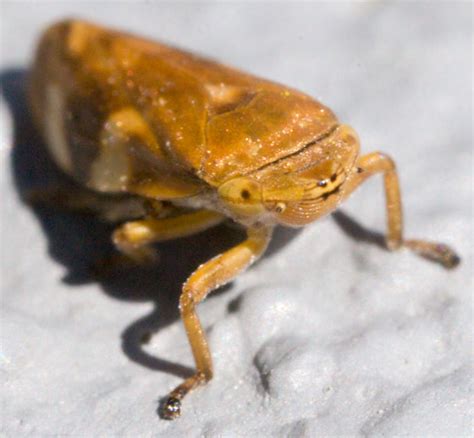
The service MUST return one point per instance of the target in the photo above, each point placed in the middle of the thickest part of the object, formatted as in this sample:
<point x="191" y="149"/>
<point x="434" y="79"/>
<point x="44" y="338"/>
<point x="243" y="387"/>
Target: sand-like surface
<point x="329" y="335"/>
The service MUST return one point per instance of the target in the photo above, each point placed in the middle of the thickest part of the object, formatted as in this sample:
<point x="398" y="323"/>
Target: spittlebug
<point x="186" y="143"/>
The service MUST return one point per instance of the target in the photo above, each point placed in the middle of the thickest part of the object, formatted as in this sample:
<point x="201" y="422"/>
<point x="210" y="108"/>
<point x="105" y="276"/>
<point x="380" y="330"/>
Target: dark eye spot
<point x="245" y="194"/>
<point x="322" y="183"/>
<point x="333" y="177"/>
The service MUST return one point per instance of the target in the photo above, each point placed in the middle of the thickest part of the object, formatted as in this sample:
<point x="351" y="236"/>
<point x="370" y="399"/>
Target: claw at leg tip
<point x="450" y="258"/>
<point x="171" y="408"/>
<point x="437" y="252"/>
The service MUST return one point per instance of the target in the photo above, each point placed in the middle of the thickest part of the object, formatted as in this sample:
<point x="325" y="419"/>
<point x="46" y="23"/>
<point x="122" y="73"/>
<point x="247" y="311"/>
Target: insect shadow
<point x="78" y="241"/>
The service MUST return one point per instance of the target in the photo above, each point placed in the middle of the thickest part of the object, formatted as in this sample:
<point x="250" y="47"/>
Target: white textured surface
<point x="327" y="336"/>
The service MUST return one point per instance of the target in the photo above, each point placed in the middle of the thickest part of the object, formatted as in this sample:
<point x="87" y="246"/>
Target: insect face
<point x="297" y="189"/>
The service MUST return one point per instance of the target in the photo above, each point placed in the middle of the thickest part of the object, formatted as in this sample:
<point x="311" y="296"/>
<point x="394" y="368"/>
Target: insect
<point x="170" y="144"/>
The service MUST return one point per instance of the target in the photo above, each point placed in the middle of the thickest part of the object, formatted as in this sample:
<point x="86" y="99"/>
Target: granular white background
<point x="329" y="334"/>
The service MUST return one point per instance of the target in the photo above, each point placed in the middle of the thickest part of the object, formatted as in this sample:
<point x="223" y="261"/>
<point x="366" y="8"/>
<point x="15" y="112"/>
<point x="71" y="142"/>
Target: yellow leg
<point x="377" y="162"/>
<point x="133" y="238"/>
<point x="216" y="272"/>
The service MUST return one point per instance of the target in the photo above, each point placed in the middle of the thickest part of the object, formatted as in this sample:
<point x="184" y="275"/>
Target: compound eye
<point x="241" y="191"/>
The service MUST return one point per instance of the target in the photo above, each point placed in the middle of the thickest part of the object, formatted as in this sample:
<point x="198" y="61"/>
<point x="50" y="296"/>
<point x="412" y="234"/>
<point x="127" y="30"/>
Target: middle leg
<point x="133" y="239"/>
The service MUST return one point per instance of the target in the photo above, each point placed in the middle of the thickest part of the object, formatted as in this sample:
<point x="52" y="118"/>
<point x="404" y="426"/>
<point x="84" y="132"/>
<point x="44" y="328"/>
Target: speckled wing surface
<point x="188" y="120"/>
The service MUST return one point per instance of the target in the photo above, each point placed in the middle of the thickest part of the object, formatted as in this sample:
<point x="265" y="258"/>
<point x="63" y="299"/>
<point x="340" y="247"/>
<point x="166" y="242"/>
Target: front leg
<point x="377" y="162"/>
<point x="209" y="276"/>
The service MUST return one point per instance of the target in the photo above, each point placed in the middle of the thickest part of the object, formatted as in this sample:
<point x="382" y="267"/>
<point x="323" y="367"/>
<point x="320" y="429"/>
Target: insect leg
<point x="378" y="162"/>
<point x="216" y="272"/>
<point x="133" y="238"/>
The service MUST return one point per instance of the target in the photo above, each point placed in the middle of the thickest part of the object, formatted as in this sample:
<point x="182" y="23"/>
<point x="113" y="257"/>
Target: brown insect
<point x="187" y="143"/>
